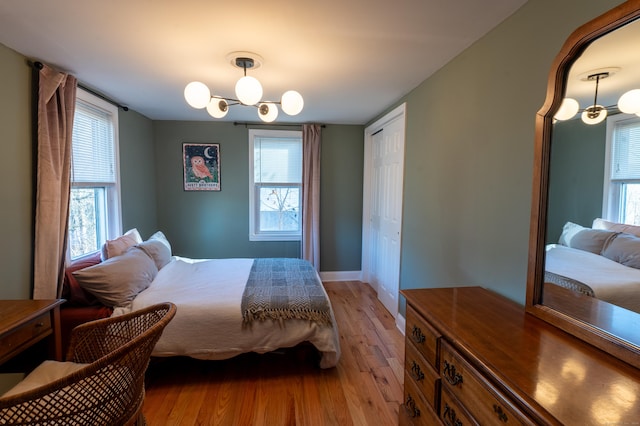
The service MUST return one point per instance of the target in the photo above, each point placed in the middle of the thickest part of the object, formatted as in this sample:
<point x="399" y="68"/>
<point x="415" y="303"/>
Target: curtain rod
<point x="247" y="124"/>
<point x="39" y="65"/>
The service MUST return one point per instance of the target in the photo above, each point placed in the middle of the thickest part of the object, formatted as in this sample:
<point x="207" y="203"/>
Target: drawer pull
<point x="417" y="335"/>
<point x="502" y="416"/>
<point x="39" y="324"/>
<point x="451" y="375"/>
<point x="450" y="418"/>
<point x="416" y="372"/>
<point x="410" y="407"/>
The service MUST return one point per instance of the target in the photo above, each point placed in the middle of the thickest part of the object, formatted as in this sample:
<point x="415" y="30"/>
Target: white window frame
<point x="254" y="233"/>
<point x="113" y="223"/>
<point x="611" y="202"/>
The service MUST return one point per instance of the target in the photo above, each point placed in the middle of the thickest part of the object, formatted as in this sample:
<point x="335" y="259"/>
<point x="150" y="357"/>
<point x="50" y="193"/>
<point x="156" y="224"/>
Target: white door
<point x="385" y="181"/>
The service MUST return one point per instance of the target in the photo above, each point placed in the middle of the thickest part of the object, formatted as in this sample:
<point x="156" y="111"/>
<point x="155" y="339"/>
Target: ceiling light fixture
<point x="248" y="93"/>
<point x="628" y="103"/>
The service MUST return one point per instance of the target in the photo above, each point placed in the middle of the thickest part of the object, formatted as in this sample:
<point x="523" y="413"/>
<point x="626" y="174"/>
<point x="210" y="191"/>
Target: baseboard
<point x="341" y="276"/>
<point x="401" y="323"/>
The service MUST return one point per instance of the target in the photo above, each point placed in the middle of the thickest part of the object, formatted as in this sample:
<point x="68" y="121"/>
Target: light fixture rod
<point x="595" y="98"/>
<point x="597" y="78"/>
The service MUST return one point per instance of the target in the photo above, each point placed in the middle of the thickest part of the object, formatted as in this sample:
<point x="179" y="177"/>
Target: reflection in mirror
<point x="593" y="172"/>
<point x="572" y="184"/>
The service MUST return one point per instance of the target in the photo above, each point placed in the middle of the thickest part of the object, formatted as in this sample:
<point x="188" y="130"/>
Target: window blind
<point x="93" y="159"/>
<point x="625" y="155"/>
<point x="277" y="160"/>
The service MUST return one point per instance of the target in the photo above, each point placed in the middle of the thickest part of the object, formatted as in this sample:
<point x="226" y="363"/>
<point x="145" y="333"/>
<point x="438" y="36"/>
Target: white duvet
<point x="610" y="281"/>
<point x="208" y="321"/>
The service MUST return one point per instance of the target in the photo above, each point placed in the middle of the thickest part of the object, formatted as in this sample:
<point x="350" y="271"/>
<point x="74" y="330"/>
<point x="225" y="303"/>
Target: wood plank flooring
<point x="287" y="387"/>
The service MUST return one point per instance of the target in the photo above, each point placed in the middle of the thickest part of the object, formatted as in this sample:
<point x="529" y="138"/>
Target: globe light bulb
<point x="267" y="112"/>
<point x="568" y="109"/>
<point x="218" y="107"/>
<point x="629" y="103"/>
<point x="594" y="114"/>
<point x="248" y="90"/>
<point x="197" y="94"/>
<point x="292" y="102"/>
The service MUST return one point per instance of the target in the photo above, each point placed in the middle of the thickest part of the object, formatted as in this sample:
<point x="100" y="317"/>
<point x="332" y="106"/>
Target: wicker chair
<point x="109" y="388"/>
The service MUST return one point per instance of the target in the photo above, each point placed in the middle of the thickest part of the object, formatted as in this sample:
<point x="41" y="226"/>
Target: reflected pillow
<point x="118" y="280"/>
<point x="113" y="248"/>
<point x="624" y="249"/>
<point x="587" y="239"/>
<point x="157" y="247"/>
<point x="617" y="227"/>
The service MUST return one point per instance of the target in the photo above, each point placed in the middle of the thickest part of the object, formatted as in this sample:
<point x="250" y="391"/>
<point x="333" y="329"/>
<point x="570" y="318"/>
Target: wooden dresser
<point x="474" y="357"/>
<point x="23" y="323"/>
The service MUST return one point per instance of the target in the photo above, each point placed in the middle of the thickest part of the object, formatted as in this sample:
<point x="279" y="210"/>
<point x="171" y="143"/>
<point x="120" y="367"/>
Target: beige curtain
<point x="311" y="136"/>
<point x="56" y="105"/>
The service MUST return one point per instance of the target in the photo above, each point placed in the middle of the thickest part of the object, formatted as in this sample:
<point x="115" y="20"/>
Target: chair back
<point x="109" y="390"/>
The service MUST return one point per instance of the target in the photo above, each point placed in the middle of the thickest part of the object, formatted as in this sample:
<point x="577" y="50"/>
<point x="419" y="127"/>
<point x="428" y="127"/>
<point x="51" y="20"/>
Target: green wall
<point x="576" y="177"/>
<point x="16" y="180"/>
<point x="469" y="153"/>
<point x="137" y="173"/>
<point x="216" y="224"/>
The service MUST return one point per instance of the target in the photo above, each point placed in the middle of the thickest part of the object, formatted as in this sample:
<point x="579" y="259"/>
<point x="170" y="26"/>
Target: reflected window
<point x="622" y="170"/>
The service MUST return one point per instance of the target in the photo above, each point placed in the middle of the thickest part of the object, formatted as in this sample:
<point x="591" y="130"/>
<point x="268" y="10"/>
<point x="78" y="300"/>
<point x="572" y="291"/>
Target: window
<point x="622" y="170"/>
<point x="275" y="181"/>
<point x="94" y="206"/>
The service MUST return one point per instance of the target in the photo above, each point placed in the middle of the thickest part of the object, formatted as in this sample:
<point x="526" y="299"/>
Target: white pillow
<point x="44" y="374"/>
<point x="118" y="280"/>
<point x="158" y="248"/>
<point x="113" y="248"/>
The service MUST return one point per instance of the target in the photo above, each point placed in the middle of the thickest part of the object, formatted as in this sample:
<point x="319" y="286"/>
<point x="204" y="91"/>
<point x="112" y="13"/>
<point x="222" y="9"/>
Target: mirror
<point x="611" y="327"/>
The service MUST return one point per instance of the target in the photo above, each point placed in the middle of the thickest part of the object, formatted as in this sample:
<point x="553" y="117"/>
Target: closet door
<point x="383" y="204"/>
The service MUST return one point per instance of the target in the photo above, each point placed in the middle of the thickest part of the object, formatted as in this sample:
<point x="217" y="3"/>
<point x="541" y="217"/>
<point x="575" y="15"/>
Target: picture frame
<point x="201" y="166"/>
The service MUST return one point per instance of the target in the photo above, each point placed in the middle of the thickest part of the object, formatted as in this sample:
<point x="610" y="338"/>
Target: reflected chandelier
<point x="248" y="93"/>
<point x="628" y="103"/>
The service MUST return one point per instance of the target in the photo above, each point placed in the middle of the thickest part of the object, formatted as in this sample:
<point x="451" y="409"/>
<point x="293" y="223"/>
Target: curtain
<point x="311" y="136"/>
<point x="56" y="104"/>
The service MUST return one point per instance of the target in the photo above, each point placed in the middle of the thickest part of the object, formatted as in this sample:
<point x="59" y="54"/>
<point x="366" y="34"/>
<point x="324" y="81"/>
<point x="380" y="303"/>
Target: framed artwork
<point x="201" y="165"/>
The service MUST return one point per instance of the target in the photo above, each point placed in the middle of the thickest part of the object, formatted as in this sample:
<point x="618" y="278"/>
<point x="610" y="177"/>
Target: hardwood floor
<point x="287" y="387"/>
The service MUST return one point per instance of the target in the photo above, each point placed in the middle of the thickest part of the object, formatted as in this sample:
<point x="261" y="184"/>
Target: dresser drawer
<point x="422" y="374"/>
<point x="452" y="413"/>
<point x="28" y="333"/>
<point x="416" y="410"/>
<point x="478" y="396"/>
<point x="423" y="336"/>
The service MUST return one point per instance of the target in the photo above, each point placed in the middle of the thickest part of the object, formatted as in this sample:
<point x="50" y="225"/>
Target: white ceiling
<point x="349" y="59"/>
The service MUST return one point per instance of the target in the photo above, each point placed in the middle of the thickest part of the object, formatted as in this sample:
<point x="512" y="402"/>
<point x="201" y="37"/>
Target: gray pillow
<point x="587" y="239"/>
<point x="157" y="247"/>
<point x="118" y="280"/>
<point x="624" y="249"/>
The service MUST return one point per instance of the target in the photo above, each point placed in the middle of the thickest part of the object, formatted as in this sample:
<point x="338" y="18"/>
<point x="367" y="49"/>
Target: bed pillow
<point x="624" y="249"/>
<point x="113" y="248"/>
<point x="71" y="290"/>
<point x="118" y="280"/>
<point x="617" y="227"/>
<point x="587" y="239"/>
<point x="157" y="247"/>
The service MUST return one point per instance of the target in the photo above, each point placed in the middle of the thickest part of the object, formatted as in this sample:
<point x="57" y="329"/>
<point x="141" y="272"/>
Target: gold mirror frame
<point x="590" y="324"/>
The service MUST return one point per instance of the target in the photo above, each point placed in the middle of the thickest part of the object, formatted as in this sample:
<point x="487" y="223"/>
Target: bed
<point x="601" y="262"/>
<point x="226" y="307"/>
